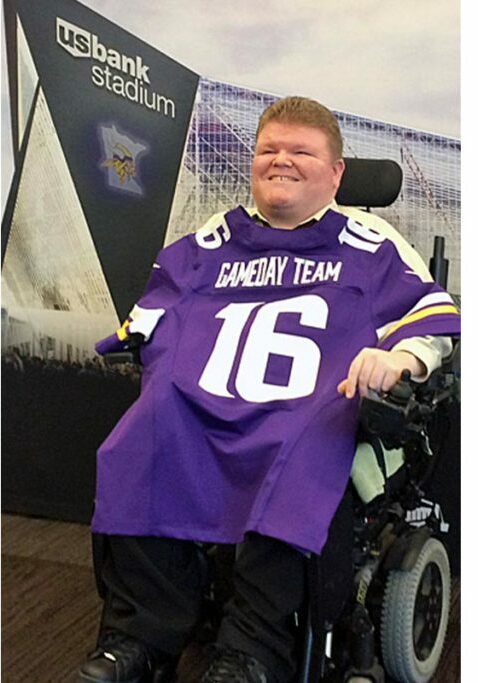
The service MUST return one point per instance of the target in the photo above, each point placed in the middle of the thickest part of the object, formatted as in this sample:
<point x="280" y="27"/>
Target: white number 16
<point x="261" y="342"/>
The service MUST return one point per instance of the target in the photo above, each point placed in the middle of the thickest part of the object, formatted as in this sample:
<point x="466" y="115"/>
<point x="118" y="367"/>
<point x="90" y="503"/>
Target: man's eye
<point x="304" y="152"/>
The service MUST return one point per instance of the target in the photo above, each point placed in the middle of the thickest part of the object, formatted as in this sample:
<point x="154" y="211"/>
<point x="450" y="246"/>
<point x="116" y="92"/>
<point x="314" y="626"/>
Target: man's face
<point x="294" y="173"/>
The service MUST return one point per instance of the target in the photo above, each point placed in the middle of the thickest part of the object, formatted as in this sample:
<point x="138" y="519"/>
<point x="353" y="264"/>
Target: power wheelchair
<point x="393" y="624"/>
<point x="387" y="619"/>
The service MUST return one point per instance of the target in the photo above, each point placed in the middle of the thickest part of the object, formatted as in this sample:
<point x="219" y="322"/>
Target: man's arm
<point x="377" y="369"/>
<point x="380" y="370"/>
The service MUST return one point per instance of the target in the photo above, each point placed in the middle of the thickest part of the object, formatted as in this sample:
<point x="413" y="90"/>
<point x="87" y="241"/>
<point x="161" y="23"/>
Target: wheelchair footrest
<point x="362" y="639"/>
<point x="364" y="664"/>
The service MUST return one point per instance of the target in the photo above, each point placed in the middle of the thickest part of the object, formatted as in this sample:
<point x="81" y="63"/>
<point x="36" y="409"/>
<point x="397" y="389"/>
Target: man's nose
<point x="282" y="158"/>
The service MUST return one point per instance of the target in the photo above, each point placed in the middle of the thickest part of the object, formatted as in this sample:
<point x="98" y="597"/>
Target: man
<point x="269" y="323"/>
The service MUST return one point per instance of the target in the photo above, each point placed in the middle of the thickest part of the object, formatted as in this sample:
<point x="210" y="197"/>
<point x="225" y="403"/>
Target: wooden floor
<point x="50" y="610"/>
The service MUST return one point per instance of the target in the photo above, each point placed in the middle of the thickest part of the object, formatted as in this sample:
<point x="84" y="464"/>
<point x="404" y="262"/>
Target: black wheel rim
<point x="428" y="611"/>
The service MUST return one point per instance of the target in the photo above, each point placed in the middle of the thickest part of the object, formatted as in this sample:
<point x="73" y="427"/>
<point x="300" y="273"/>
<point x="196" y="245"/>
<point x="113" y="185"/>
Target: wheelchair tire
<point x="415" y="615"/>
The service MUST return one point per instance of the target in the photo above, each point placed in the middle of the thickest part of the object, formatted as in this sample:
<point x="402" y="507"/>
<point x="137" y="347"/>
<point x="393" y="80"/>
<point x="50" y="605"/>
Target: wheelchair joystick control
<point x="393" y="414"/>
<point x="403" y="390"/>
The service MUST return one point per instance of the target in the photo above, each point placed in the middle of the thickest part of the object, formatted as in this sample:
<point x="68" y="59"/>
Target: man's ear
<point x="338" y="168"/>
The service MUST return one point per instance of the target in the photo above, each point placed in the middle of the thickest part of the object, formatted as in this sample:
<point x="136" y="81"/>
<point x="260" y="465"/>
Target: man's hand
<point x="378" y="370"/>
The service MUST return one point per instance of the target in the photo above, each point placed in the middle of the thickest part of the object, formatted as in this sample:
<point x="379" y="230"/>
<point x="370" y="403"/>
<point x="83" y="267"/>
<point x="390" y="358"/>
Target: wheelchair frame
<point x="385" y="540"/>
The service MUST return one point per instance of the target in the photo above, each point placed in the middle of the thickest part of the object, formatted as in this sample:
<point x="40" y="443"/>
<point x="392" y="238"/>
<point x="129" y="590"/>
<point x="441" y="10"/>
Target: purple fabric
<point x="110" y="344"/>
<point x="209" y="451"/>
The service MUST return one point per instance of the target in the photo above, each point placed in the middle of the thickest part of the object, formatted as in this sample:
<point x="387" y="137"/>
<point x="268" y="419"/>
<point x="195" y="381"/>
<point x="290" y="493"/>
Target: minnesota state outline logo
<point x="120" y="159"/>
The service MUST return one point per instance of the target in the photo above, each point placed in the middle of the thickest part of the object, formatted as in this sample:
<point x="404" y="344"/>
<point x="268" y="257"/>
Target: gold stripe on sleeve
<point x="122" y="334"/>
<point x="419" y="315"/>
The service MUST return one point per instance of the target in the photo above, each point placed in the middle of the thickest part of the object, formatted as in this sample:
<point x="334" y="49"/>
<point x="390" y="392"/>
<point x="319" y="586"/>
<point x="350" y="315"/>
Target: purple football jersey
<point x="239" y="426"/>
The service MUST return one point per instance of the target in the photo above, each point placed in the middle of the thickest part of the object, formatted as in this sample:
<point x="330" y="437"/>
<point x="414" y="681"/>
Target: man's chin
<point x="279" y="203"/>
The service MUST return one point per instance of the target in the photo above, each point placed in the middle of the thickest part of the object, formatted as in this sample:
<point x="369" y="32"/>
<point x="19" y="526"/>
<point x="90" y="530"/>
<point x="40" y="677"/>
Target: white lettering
<point x="251" y="271"/>
<point x="97" y="76"/>
<point x="128" y="65"/>
<point x="270" y="271"/>
<point x="114" y="59"/>
<point x="298" y="266"/>
<point x="118" y="86"/>
<point x="132" y="90"/>
<point x="255" y="273"/>
<point x="307" y="271"/>
<point x="319" y="272"/>
<point x="98" y="51"/>
<point x="241" y="271"/>
<point x="332" y="270"/>
<point x="141" y="70"/>
<point x="213" y="238"/>
<point x="281" y="264"/>
<point x="73" y="39"/>
<point x="80" y="43"/>
<point x="222" y="273"/>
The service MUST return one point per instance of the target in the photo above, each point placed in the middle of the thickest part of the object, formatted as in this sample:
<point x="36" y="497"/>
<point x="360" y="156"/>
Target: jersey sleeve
<point x="404" y="305"/>
<point x="170" y="278"/>
<point x="378" y="224"/>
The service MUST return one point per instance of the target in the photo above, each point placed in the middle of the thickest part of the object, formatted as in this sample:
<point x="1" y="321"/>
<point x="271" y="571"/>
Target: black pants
<point x="154" y="587"/>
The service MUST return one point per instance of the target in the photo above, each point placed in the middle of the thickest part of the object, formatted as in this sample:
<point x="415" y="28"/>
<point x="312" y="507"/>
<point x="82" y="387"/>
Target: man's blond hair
<point x="305" y="112"/>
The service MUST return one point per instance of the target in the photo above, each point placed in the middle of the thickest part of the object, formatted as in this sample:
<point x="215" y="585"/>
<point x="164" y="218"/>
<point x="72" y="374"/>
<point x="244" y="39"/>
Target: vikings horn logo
<point x="123" y="165"/>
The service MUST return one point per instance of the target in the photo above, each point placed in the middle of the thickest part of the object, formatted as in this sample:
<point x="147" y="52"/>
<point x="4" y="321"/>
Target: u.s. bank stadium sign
<point x="123" y="75"/>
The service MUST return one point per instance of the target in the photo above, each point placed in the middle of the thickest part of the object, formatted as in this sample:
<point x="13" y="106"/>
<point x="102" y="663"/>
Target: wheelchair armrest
<point x="400" y="415"/>
<point x="395" y="416"/>
<point x="452" y="363"/>
<point x="444" y="383"/>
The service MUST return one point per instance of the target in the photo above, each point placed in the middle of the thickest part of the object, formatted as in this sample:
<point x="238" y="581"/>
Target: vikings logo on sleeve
<point x="140" y="320"/>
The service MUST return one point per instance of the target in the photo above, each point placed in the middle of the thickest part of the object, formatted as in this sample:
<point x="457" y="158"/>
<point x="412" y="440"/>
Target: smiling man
<point x="296" y="172"/>
<point x="261" y="330"/>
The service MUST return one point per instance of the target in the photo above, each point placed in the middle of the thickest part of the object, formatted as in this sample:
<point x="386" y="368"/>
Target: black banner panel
<point x="120" y="110"/>
<point x="100" y="121"/>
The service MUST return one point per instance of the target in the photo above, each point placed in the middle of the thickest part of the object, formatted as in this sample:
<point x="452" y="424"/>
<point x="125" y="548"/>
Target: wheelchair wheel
<point x="415" y="613"/>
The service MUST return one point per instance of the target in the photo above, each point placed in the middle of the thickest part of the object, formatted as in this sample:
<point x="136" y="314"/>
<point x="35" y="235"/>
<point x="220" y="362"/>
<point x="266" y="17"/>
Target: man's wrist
<point x="415" y="365"/>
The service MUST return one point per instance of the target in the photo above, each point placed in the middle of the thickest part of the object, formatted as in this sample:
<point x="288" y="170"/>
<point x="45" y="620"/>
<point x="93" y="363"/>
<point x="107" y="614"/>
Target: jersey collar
<point x="256" y="215"/>
<point x="316" y="233"/>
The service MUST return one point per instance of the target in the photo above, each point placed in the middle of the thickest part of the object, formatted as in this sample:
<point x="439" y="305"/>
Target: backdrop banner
<point x="99" y="121"/>
<point x="120" y="150"/>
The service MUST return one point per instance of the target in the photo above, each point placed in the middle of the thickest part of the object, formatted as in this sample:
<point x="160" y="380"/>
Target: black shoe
<point x="122" y="659"/>
<point x="232" y="666"/>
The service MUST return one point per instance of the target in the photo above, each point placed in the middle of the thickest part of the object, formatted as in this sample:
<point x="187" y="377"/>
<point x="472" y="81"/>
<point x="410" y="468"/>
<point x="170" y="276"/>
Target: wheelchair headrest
<point x="369" y="182"/>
